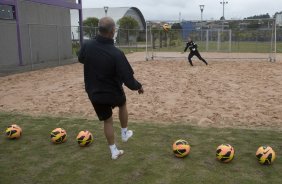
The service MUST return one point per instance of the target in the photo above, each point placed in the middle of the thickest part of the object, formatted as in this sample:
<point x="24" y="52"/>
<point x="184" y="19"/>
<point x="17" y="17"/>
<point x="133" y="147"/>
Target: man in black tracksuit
<point x="106" y="69"/>
<point x="193" y="51"/>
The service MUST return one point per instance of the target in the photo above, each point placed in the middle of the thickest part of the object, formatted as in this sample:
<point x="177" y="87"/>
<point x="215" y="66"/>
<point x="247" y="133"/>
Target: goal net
<point x="229" y="39"/>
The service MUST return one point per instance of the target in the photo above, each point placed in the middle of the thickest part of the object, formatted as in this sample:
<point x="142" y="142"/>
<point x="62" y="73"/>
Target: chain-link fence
<point x="44" y="46"/>
<point x="39" y="46"/>
<point x="128" y="40"/>
<point x="253" y="39"/>
<point x="53" y="45"/>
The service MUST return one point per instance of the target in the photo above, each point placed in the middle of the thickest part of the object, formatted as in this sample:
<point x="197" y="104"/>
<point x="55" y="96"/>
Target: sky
<point x="190" y="10"/>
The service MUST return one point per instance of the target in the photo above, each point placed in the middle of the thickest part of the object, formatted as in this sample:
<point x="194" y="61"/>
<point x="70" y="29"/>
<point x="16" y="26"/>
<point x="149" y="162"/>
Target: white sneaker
<point x="127" y="135"/>
<point x="117" y="154"/>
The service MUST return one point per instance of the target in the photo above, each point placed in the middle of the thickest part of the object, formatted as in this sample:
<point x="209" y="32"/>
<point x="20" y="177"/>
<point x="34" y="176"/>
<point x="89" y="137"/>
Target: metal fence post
<point x="218" y="40"/>
<point x="207" y="40"/>
<point x="146" y="41"/>
<point x="275" y="39"/>
<point x="230" y="40"/>
<point x="58" y="44"/>
<point x="30" y="46"/>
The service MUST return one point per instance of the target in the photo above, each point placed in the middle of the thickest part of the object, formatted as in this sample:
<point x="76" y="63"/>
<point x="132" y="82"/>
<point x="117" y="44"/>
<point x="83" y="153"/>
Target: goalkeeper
<point x="193" y="51"/>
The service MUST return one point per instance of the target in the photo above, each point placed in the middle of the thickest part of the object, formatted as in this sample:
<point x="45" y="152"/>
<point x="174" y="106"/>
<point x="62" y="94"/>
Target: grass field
<point x="148" y="157"/>
<point x="241" y="47"/>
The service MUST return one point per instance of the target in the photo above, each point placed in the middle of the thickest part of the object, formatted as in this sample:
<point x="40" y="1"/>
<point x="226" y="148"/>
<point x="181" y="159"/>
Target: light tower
<point x="106" y="10"/>
<point x="202" y="10"/>
<point x="223" y="2"/>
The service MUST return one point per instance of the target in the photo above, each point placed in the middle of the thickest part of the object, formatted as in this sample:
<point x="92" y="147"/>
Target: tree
<point x="175" y="34"/>
<point x="263" y="16"/>
<point x="274" y="16"/>
<point x="128" y="24"/>
<point x="155" y="31"/>
<point x="222" y="18"/>
<point x="234" y="25"/>
<point x="89" y="27"/>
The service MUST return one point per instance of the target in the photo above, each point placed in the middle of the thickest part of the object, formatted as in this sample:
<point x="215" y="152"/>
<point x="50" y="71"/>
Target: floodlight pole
<point x="147" y="41"/>
<point x="106" y="8"/>
<point x="202" y="10"/>
<point x="223" y="5"/>
<point x="275" y="38"/>
<point x="223" y="18"/>
<point x="80" y="23"/>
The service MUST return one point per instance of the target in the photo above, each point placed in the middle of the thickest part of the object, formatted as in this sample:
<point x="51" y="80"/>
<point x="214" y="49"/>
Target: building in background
<point x="35" y="31"/>
<point x="114" y="12"/>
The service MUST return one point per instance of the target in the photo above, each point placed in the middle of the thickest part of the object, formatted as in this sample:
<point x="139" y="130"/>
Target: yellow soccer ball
<point x="166" y="27"/>
<point x="265" y="155"/>
<point x="13" y="131"/>
<point x="225" y="153"/>
<point x="58" y="136"/>
<point x="84" y="138"/>
<point x="181" y="148"/>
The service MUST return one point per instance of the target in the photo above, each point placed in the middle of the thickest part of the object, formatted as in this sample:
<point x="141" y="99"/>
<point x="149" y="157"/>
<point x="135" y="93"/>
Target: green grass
<point x="240" y="47"/>
<point x="148" y="157"/>
<point x="129" y="50"/>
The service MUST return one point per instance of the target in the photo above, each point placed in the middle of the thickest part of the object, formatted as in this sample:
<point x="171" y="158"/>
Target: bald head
<point x="106" y="26"/>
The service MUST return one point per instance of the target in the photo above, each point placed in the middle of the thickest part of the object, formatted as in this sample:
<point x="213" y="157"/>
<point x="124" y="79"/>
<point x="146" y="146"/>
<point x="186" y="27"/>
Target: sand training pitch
<point x="225" y="93"/>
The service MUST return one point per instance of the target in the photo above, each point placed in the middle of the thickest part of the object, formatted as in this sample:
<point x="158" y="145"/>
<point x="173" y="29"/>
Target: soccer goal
<point x="229" y="39"/>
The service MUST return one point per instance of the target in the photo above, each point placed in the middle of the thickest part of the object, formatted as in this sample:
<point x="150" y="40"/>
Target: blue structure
<point x="187" y="28"/>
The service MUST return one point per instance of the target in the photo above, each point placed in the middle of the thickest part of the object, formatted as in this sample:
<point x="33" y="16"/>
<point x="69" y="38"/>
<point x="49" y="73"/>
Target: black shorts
<point x="105" y="111"/>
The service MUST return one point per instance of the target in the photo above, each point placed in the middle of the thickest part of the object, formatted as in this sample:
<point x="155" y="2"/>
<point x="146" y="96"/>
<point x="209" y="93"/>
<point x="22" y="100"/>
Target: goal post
<point x="278" y="22"/>
<point x="248" y="39"/>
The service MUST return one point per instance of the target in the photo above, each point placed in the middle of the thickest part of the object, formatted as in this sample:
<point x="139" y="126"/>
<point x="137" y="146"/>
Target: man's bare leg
<point x="123" y="117"/>
<point x="109" y="131"/>
<point x="110" y="135"/>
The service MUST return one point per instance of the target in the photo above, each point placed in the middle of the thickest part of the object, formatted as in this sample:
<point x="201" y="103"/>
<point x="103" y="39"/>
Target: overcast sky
<point x="169" y="9"/>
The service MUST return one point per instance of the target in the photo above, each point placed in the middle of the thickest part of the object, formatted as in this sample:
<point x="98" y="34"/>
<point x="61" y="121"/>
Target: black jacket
<point x="192" y="46"/>
<point x="106" y="69"/>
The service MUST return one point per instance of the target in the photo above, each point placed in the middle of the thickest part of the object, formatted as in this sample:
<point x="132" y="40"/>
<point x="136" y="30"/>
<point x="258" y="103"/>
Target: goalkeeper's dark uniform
<point x="193" y="52"/>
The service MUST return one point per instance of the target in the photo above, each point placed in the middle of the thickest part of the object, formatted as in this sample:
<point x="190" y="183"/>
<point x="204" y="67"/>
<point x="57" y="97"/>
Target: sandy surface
<point x="237" y="93"/>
